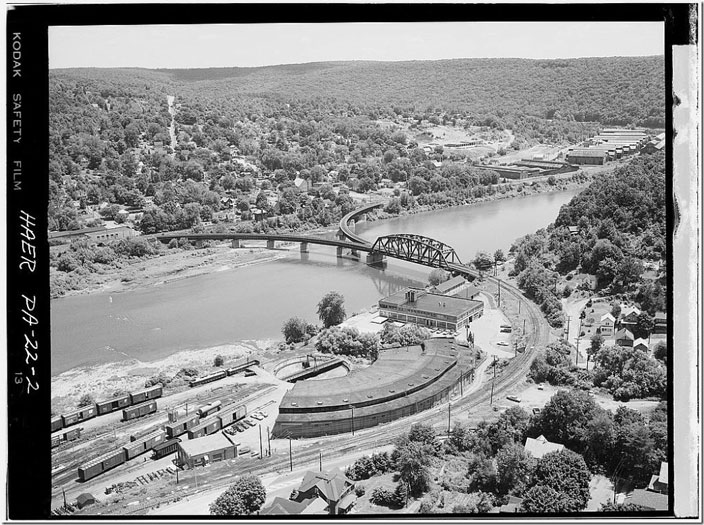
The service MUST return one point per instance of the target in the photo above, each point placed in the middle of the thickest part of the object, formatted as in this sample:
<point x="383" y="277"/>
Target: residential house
<point x="660" y="482"/>
<point x="624" y="337"/>
<point x="641" y="344"/>
<point x="540" y="446"/>
<point x="629" y="317"/>
<point x="513" y="505"/>
<point x="331" y="486"/>
<point x="648" y="499"/>
<point x="607" y="324"/>
<point x="660" y="323"/>
<point x="574" y="230"/>
<point x="282" y="506"/>
<point x="301" y="184"/>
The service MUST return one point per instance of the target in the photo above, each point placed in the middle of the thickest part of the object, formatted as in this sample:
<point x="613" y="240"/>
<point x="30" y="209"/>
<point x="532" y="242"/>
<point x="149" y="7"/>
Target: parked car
<point x="540" y="386"/>
<point x="257" y="417"/>
<point x="536" y="411"/>
<point x="514" y="398"/>
<point x="502" y="343"/>
<point x="264" y="414"/>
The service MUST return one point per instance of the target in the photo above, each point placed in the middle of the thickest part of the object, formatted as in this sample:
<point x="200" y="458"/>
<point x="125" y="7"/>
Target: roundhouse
<point x="401" y="382"/>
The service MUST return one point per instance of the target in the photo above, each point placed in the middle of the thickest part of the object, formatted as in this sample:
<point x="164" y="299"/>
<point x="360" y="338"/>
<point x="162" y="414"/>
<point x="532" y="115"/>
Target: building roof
<point x="609" y="317"/>
<point x="628" y="310"/>
<point x="286" y="506"/>
<point x="433" y="303"/>
<point x="450" y="284"/>
<point x="660" y="316"/>
<point x="84" y="231"/>
<point x="664" y="472"/>
<point x="397" y="372"/>
<point x="587" y="152"/>
<point x="623" y="333"/>
<point x="205" y="445"/>
<point x="540" y="446"/>
<point x="331" y="484"/>
<point x="649" y="500"/>
<point x="299" y="182"/>
<point x="640" y="341"/>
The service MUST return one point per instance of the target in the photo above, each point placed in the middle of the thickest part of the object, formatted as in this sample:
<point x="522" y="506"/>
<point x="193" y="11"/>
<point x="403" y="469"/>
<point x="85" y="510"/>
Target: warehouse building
<point x="588" y="156"/>
<point x="205" y="450"/>
<point x="432" y="310"/>
<point x="400" y="383"/>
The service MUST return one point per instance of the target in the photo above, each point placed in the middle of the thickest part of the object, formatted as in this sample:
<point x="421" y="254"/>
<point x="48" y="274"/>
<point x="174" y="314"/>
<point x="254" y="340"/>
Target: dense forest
<point x="111" y="137"/>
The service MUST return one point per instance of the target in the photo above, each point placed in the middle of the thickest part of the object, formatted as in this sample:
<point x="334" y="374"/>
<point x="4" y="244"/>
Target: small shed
<point x="85" y="499"/>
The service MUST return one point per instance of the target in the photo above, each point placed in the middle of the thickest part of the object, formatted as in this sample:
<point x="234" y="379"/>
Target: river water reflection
<point x="251" y="303"/>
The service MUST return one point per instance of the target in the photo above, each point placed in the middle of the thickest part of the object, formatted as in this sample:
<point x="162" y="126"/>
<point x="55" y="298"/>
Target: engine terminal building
<point x="432" y="310"/>
<point x="401" y="382"/>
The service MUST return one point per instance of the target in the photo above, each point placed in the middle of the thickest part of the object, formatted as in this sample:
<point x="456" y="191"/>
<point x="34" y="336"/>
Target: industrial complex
<point x="401" y="382"/>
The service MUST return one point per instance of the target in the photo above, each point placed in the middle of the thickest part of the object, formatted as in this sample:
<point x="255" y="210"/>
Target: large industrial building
<point x="401" y="382"/>
<point x="417" y="306"/>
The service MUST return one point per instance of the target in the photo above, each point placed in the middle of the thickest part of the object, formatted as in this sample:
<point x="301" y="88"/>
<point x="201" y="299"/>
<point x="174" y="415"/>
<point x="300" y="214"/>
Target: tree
<point x="564" y="418"/>
<point x="86" y="400"/>
<point x="412" y="462"/>
<point x="483" y="261"/>
<point x="621" y="507"/>
<point x="644" y="325"/>
<point x="565" y="472"/>
<point x="596" y="342"/>
<point x="514" y="468"/>
<point x="331" y="309"/>
<point x="542" y="499"/>
<point x="219" y="360"/>
<point x="438" y="276"/>
<point x="294" y="330"/>
<point x="660" y="352"/>
<point x="244" y="497"/>
<point x="499" y="256"/>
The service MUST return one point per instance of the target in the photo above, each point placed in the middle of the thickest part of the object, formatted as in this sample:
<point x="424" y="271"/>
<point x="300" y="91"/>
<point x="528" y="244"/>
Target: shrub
<point x="359" y="490"/>
<point x="383" y="496"/>
<point x="219" y="360"/>
<point x="86" y="400"/>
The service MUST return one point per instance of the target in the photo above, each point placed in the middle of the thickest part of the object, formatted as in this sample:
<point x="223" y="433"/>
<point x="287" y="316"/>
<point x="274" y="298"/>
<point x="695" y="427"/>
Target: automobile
<point x="506" y="326"/>
<point x="516" y="399"/>
<point x="264" y="414"/>
<point x="540" y="386"/>
<point x="506" y="330"/>
<point x="240" y="427"/>
<point x="247" y="423"/>
<point x="502" y="343"/>
<point x="257" y="417"/>
<point x="536" y="411"/>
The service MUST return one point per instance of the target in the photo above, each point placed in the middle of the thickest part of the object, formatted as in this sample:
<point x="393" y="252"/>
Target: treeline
<point x="620" y="225"/>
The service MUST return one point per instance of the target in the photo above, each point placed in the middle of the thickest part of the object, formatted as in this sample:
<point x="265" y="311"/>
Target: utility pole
<point x="268" y="439"/>
<point x="320" y="455"/>
<point x="448" y="415"/>
<point x="290" y="453"/>
<point x="569" y="318"/>
<point x="64" y="491"/>
<point x="524" y="323"/>
<point x="491" y="401"/>
<point x="352" y="408"/>
<point x="519" y="309"/>
<point x="499" y="281"/>
<point x="261" y="448"/>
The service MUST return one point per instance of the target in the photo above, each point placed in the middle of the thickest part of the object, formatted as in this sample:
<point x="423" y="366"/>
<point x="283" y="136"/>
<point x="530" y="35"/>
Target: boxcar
<point x="101" y="464"/>
<point x="182" y="426"/>
<point x="206" y="427"/>
<point x="71" y="435"/>
<point x="110" y="405"/>
<point x="208" y="410"/>
<point x="55" y="441"/>
<point x="166" y="448"/>
<point x="208" y="379"/>
<point x="230" y="415"/>
<point x="82" y="414"/>
<point x="139" y="410"/>
<point x="148" y="393"/>
<point x="143" y="444"/>
<point x="56" y="423"/>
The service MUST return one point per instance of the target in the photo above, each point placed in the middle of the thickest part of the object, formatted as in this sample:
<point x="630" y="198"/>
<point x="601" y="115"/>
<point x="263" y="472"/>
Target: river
<point x="251" y="303"/>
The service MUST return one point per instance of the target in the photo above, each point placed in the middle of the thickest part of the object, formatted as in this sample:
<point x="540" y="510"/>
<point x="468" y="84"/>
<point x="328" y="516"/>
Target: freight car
<point x="164" y="449"/>
<point x="101" y="464"/>
<point x="241" y="366"/>
<point x="82" y="414"/>
<point x="208" y="379"/>
<point x="182" y="426"/>
<point x="110" y="405"/>
<point x="56" y="423"/>
<point x="206" y="427"/>
<point x="140" y="446"/>
<point x="230" y="415"/>
<point x="139" y="410"/>
<point x="208" y="410"/>
<point x="148" y="393"/>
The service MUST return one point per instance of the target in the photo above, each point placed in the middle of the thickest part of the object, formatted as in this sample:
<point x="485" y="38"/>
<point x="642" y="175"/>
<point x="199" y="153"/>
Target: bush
<point x="295" y="330"/>
<point x="86" y="400"/>
<point x="359" y="490"/>
<point x="219" y="360"/>
<point x="385" y="497"/>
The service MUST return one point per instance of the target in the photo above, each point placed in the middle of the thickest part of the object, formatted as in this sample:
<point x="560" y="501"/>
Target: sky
<point x="241" y="45"/>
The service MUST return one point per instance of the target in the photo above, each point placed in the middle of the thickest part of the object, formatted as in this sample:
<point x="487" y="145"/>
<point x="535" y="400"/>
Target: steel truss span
<point x="417" y="249"/>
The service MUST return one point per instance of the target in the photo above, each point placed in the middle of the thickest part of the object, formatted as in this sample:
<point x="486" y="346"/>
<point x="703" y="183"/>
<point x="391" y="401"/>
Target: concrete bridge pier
<point x="199" y="243"/>
<point x="270" y="244"/>
<point x="375" y="259"/>
<point x="339" y="252"/>
<point x="235" y="243"/>
<point x="304" y="247"/>
<point x="340" y="236"/>
<point x="355" y="253"/>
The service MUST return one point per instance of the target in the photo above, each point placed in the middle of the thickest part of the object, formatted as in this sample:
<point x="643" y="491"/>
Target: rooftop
<point x="396" y="371"/>
<point x="206" y="444"/>
<point x="623" y="333"/>
<point x="540" y="446"/>
<point x="648" y="499"/>
<point x="432" y="303"/>
<point x="332" y="484"/>
<point x="587" y="152"/>
<point x="450" y="284"/>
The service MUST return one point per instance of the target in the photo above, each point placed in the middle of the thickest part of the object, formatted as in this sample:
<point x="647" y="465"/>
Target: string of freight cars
<point x="111" y="405"/>
<point x="164" y="440"/>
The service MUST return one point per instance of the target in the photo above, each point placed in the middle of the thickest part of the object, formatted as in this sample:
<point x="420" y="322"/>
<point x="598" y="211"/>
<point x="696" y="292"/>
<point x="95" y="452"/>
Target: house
<point x="660" y="323"/>
<point x="629" y="316"/>
<point x="648" y="499"/>
<point x="540" y="446"/>
<point x="641" y="344"/>
<point x="624" y="337"/>
<point x="282" y="506"/>
<point x="606" y="324"/>
<point x="659" y="482"/>
<point x="574" y="230"/>
<point x="331" y="486"/>
<point x="301" y="184"/>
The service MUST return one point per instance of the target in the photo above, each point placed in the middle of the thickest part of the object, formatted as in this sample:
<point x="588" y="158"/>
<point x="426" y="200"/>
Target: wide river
<point x="252" y="303"/>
